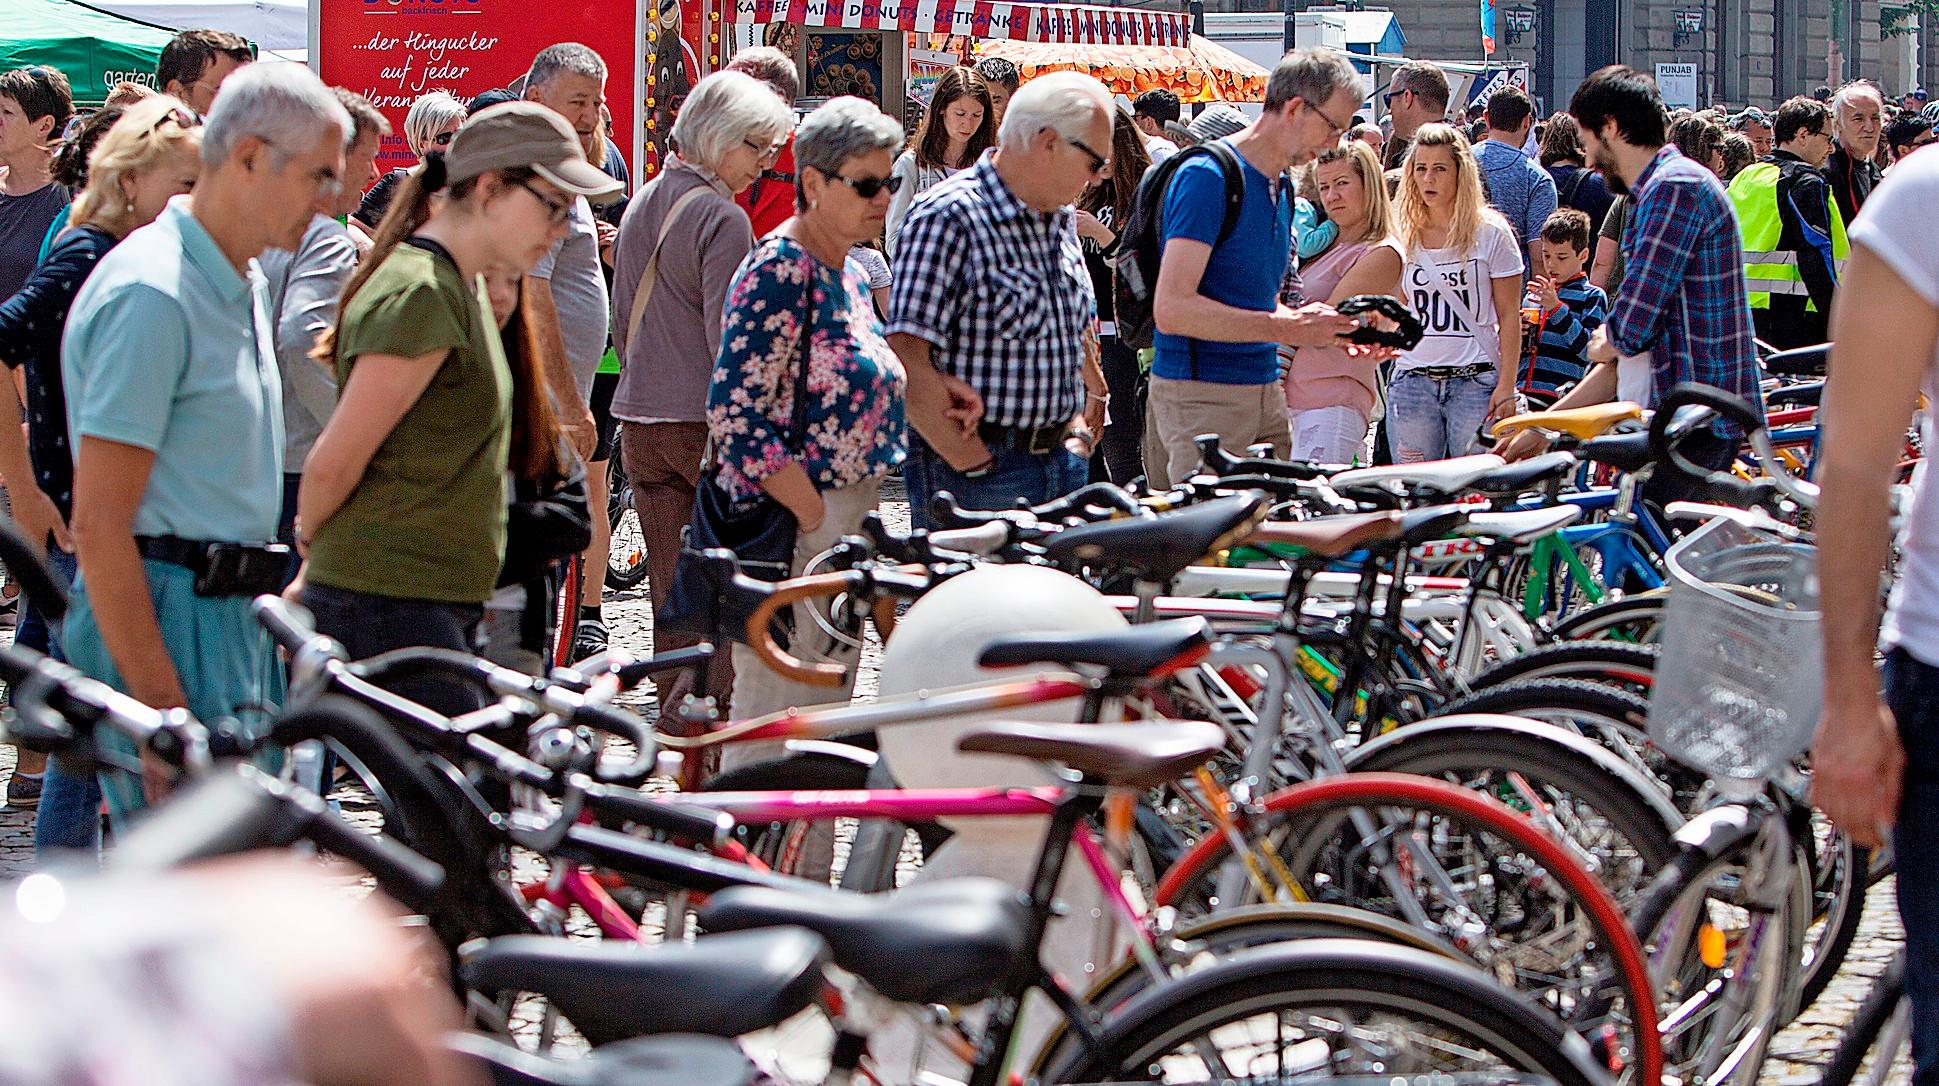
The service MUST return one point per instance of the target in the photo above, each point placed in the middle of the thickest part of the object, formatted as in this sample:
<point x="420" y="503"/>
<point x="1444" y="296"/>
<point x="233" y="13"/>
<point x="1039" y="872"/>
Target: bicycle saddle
<point x="1449" y="476"/>
<point x="652" y="1061"/>
<point x="1404" y="338"/>
<point x="1330" y="537"/>
<point x="949" y="942"/>
<point x="1157" y="548"/>
<point x="1518" y="526"/>
<point x="1421" y="525"/>
<point x="1134" y="652"/>
<point x="1627" y="453"/>
<point x="1799" y="361"/>
<point x="1126" y="755"/>
<point x="611" y="990"/>
<point x="1806" y="395"/>
<point x="1579" y="422"/>
<point x="1524" y="474"/>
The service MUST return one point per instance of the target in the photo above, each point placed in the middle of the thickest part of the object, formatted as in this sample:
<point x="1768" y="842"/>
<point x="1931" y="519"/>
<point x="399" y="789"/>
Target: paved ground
<point x="1797" y="1054"/>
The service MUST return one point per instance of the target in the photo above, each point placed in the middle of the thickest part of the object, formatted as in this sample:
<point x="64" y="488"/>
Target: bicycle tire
<point x="1626" y="667"/>
<point x="1634" y="619"/>
<point x="625" y="565"/>
<point x="1863" y="1031"/>
<point x="1329" y="976"/>
<point x="1844" y="891"/>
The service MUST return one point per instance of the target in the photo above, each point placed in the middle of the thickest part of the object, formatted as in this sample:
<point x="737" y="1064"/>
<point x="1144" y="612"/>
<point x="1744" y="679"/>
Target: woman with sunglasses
<point x="958" y="126"/>
<point x="851" y="435"/>
<point x="679" y="243"/>
<point x="401" y="517"/>
<point x="147" y="156"/>
<point x="434" y="118"/>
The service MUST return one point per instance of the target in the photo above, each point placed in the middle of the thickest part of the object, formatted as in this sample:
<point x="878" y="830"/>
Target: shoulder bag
<point x="759" y="530"/>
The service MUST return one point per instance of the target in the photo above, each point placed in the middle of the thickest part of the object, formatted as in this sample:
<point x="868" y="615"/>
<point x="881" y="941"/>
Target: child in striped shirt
<point x="1570" y="308"/>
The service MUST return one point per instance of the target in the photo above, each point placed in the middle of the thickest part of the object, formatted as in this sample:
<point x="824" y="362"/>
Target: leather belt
<point x="1452" y="373"/>
<point x="1035" y="440"/>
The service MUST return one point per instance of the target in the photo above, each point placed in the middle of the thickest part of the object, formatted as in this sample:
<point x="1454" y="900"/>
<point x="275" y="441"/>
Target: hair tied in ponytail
<point x="431" y="177"/>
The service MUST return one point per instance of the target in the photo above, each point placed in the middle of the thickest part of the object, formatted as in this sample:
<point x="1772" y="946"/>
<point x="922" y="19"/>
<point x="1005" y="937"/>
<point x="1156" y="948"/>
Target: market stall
<point x="93" y="49"/>
<point x="1203" y="71"/>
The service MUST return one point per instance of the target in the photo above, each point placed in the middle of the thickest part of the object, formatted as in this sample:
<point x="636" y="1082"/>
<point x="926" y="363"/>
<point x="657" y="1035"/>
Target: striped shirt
<point x="1561" y="353"/>
<point x="1001" y="294"/>
<point x="1682" y="299"/>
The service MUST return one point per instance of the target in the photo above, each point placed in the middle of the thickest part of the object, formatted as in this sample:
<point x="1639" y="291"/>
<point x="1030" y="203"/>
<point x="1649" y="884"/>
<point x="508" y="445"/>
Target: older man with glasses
<point x="991" y="308"/>
<point x="174" y="403"/>
<point x="1219" y="317"/>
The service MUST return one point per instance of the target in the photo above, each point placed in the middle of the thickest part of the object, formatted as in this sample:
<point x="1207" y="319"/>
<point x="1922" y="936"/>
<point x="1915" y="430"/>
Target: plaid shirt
<point x="1682" y="297"/>
<point x="1000" y="292"/>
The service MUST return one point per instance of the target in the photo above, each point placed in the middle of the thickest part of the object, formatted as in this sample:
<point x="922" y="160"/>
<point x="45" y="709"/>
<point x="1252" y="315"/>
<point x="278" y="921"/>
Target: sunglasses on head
<point x="183" y="119"/>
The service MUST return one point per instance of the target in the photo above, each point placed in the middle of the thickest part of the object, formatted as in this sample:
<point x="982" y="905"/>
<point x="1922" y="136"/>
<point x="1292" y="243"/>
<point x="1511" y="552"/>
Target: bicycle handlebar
<point x="760" y="628"/>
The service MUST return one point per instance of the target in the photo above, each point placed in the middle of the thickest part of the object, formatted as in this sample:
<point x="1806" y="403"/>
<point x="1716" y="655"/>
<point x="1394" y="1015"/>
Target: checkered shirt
<point x="1000" y="292"/>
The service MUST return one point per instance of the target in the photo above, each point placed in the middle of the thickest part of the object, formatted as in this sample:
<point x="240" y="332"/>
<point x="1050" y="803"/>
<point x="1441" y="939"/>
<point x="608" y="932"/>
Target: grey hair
<point x="428" y="116"/>
<point x="770" y="66"/>
<point x="284" y="105"/>
<point x="1857" y="89"/>
<point x="841" y="129"/>
<point x="1063" y="102"/>
<point x="724" y="109"/>
<point x="1312" y="74"/>
<point x="567" y="57"/>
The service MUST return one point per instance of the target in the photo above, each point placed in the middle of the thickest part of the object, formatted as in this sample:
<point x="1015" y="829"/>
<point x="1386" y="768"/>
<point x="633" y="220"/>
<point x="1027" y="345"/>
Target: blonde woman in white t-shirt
<point x="1461" y="272"/>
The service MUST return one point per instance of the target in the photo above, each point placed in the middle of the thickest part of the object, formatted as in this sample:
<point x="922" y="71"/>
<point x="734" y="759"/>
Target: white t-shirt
<point x="1898" y="225"/>
<point x="1159" y="148"/>
<point x="1452" y="291"/>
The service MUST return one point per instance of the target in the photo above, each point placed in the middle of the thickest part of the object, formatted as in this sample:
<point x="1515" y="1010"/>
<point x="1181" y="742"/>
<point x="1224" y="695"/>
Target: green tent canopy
<point x="94" y="49"/>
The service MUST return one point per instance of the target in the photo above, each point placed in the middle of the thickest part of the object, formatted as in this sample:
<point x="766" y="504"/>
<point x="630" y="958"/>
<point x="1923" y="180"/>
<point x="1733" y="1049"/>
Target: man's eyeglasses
<point x="1336" y="127"/>
<point x="1387" y="99"/>
<point x="555" y="213"/>
<point x="1100" y="165"/>
<point x="767" y="153"/>
<point x="868" y="188"/>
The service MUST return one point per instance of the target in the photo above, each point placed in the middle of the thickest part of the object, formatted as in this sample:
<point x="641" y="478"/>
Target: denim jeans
<point x="1430" y="419"/>
<point x="69" y="817"/>
<point x="1912" y="692"/>
<point x="368" y="625"/>
<point x="1015" y="475"/>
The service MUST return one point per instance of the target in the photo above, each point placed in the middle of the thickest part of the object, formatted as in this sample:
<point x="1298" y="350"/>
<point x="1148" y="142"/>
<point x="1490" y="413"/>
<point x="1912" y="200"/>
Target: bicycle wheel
<point x="1837" y="909"/>
<point x="626" y="556"/>
<point x="1323" y="1008"/>
<point x="1874" y="1049"/>
<point x="1631" y="668"/>
<point x="1636" y="619"/>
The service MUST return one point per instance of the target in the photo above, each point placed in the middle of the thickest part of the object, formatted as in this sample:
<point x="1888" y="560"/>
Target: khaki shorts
<point x="1241" y="415"/>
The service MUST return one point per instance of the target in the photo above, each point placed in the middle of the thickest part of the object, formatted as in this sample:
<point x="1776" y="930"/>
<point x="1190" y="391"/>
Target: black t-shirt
<point x="31" y="324"/>
<point x="1099" y="262"/>
<point x="23" y="226"/>
<point x="377" y="201"/>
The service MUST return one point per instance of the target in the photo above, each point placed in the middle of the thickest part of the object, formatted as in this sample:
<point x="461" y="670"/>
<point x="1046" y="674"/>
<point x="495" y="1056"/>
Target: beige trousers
<point x="1241" y="415"/>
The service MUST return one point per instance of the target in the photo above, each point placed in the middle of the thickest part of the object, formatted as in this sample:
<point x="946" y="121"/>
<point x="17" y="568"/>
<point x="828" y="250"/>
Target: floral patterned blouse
<point x="855" y="382"/>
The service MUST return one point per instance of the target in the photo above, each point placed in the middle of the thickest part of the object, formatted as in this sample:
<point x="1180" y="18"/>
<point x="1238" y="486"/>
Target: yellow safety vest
<point x="1769" y="270"/>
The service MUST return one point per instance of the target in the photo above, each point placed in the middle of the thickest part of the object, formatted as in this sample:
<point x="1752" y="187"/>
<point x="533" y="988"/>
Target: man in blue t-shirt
<point x="1217" y="305"/>
<point x="1522" y="191"/>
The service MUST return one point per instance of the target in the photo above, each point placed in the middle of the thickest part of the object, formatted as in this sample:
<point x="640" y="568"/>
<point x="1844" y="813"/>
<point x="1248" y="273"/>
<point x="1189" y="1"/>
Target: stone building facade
<point x="1748" y="52"/>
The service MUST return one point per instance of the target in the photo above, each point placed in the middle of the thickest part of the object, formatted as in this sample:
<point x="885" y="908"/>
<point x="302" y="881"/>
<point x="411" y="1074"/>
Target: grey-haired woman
<point x="799" y="320"/>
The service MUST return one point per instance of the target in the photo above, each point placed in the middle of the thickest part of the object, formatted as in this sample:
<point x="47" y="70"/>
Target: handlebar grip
<point x="30" y="571"/>
<point x="760" y="629"/>
<point x="403" y="874"/>
<point x="614" y="721"/>
<point x="697" y="824"/>
<point x="291" y="625"/>
<point x="1725" y="405"/>
<point x="630" y="675"/>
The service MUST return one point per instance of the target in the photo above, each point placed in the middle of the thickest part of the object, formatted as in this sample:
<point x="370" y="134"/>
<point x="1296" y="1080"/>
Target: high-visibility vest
<point x="1770" y="269"/>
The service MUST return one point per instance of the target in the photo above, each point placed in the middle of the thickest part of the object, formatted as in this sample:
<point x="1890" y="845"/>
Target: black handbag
<point x="759" y="530"/>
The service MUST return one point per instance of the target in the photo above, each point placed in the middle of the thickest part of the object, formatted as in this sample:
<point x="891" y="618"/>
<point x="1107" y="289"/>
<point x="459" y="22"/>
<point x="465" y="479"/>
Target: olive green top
<point x="427" y="520"/>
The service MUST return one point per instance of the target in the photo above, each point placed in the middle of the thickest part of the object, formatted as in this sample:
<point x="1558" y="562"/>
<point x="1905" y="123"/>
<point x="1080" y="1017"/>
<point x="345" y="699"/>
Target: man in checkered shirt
<point x="991" y="307"/>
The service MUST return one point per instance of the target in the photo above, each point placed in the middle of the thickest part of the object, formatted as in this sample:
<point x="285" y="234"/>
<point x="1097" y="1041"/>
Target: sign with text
<point x="393" y="51"/>
<point x="1678" y="85"/>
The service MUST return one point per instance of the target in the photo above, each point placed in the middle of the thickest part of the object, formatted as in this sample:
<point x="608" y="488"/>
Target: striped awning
<point x="1083" y="24"/>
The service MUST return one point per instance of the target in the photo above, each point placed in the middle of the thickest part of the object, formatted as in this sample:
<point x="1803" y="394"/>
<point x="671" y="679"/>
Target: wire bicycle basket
<point x="1740" y="681"/>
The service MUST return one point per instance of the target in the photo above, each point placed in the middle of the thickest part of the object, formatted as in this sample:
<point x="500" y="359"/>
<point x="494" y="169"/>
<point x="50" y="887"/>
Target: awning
<point x="1204" y="72"/>
<point x="1076" y="23"/>
<point x="93" y="49"/>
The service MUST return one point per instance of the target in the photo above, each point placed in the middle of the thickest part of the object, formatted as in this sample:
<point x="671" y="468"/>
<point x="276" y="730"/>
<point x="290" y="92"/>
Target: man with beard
<point x="1682" y="315"/>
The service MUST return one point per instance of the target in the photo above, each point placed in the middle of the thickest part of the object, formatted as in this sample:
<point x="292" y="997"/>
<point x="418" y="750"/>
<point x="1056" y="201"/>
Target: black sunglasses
<point x="443" y="139"/>
<point x="868" y="188"/>
<point x="183" y="119"/>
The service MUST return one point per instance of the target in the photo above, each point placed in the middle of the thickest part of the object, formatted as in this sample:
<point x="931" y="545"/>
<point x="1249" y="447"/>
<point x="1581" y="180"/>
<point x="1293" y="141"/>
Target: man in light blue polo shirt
<point x="175" y="404"/>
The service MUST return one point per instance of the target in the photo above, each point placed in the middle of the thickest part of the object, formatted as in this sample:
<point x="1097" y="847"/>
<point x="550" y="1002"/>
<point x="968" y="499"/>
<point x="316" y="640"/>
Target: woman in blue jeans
<point x="1462" y="274"/>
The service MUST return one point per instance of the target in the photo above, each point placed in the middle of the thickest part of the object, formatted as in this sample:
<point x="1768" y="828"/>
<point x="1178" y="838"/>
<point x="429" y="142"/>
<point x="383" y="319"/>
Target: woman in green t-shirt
<point x="401" y="517"/>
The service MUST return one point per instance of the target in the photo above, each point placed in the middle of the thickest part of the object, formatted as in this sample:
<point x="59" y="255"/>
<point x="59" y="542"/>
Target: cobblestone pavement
<point x="1797" y="1055"/>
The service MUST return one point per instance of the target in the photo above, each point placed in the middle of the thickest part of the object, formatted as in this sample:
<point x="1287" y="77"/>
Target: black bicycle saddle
<point x="1403" y="338"/>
